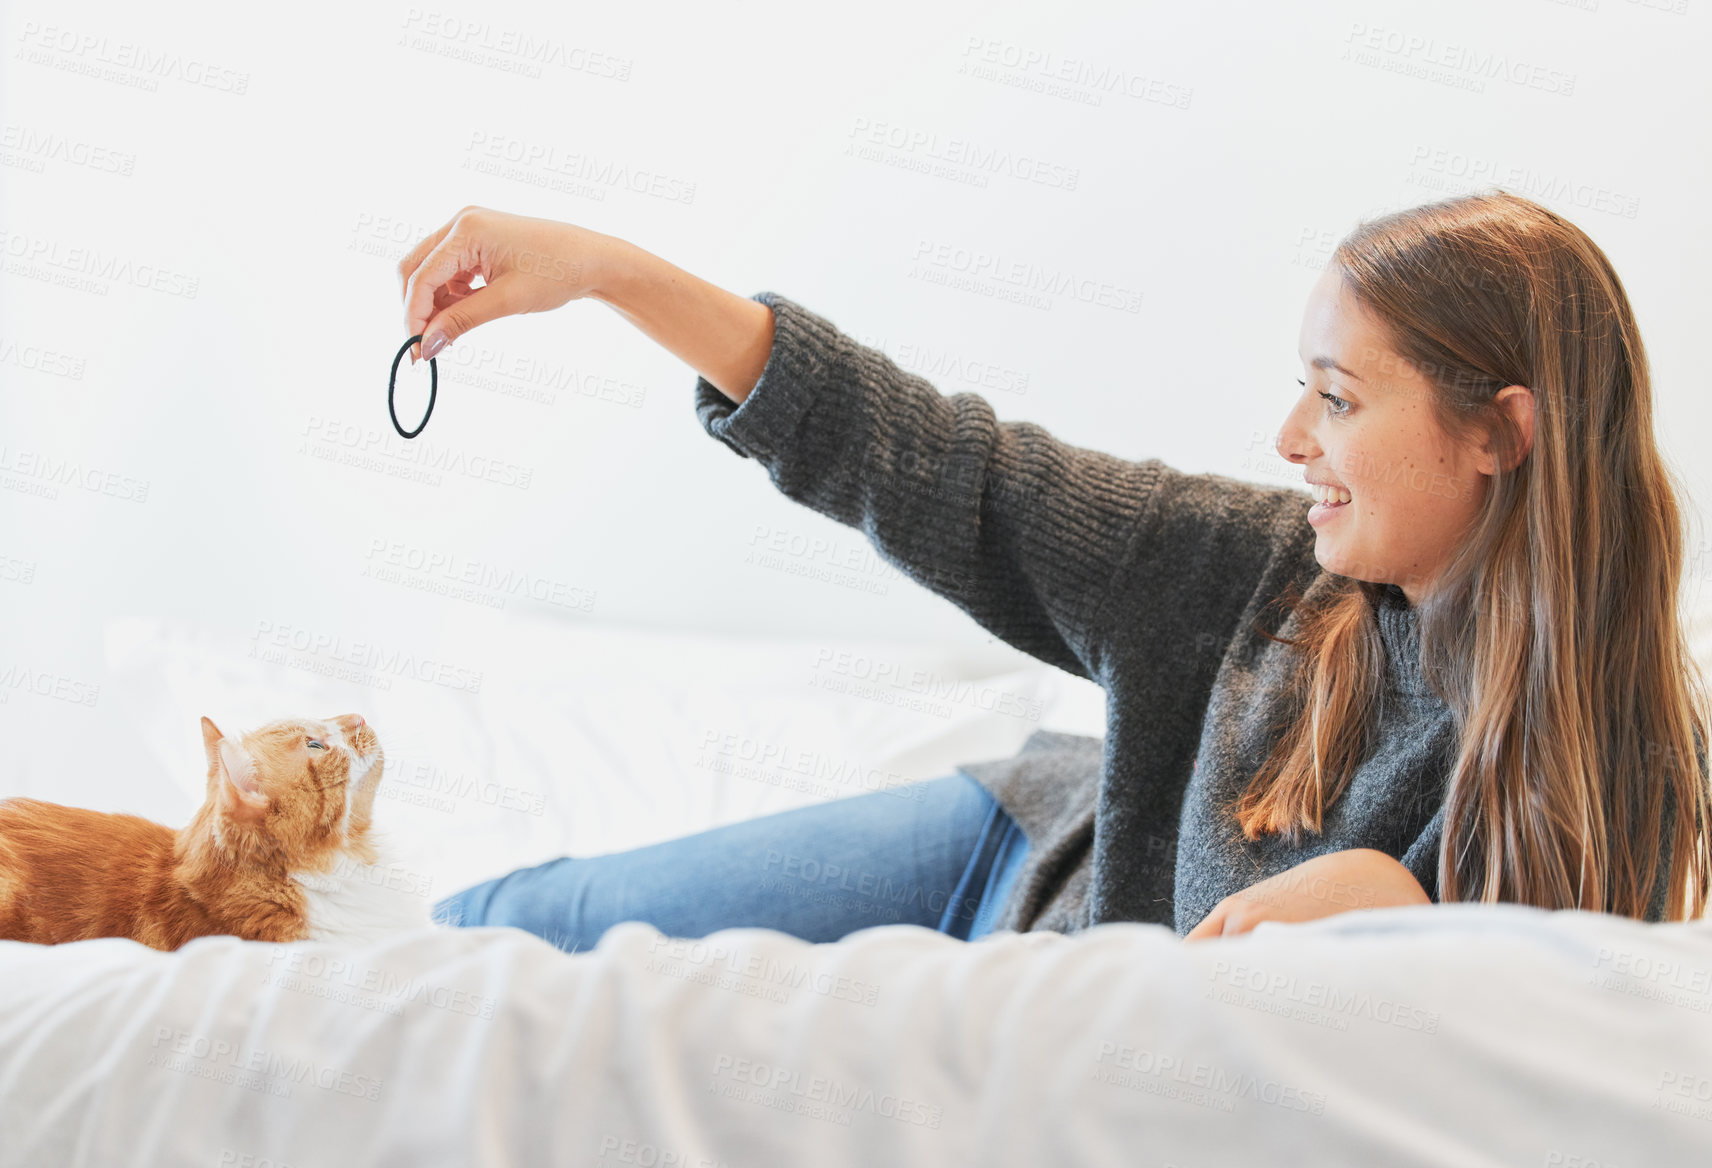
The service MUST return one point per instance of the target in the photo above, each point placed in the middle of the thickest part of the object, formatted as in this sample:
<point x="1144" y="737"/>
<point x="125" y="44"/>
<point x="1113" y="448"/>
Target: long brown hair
<point x="1553" y="632"/>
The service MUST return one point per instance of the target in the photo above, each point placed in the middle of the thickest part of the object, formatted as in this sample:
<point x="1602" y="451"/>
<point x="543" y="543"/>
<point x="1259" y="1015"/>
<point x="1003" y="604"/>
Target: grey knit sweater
<point x="1143" y="578"/>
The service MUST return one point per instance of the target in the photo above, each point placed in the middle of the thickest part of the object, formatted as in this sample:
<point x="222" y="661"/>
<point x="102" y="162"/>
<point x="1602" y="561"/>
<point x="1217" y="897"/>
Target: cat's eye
<point x="317" y="745"/>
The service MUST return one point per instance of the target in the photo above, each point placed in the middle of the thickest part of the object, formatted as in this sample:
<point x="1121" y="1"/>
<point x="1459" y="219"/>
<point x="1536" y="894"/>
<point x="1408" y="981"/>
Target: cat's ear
<point x="233" y="776"/>
<point x="211" y="747"/>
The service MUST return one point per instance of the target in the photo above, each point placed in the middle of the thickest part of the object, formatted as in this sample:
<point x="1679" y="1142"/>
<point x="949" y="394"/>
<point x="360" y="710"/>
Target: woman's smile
<point x="1321" y="512"/>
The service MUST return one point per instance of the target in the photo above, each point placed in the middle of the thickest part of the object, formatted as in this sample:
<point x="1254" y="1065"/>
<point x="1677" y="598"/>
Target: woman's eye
<point x="1342" y="405"/>
<point x="314" y="745"/>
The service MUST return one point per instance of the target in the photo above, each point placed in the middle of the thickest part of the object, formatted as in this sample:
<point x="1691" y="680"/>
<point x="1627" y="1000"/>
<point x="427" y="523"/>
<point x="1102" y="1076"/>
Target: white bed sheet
<point x="1460" y="1035"/>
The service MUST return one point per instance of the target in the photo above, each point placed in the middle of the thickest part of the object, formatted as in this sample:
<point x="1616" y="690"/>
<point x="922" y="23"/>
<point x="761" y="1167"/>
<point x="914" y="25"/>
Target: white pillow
<point x="582" y="739"/>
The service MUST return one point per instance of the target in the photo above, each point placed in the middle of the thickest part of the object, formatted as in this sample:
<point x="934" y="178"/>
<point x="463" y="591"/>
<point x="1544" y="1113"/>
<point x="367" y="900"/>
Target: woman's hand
<point x="532" y="265"/>
<point x="529" y="265"/>
<point x="1334" y="883"/>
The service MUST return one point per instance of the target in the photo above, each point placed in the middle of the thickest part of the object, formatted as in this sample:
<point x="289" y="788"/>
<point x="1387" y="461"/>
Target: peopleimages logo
<point x="35" y="472"/>
<point x="87" y="53"/>
<point x="88" y="268"/>
<point x="742" y="970"/>
<point x="784" y="1088"/>
<point x="252" y="1067"/>
<point x="782" y="764"/>
<point x="891" y="675"/>
<point x="525" y="48"/>
<point x="396" y="561"/>
<point x="329" y="654"/>
<point x="333" y="440"/>
<point x="1198" y="1082"/>
<point x="35" y="148"/>
<point x="1025" y="275"/>
<point x="1058" y="75"/>
<point x="46" y="684"/>
<point x="437" y="787"/>
<point x="1232" y="980"/>
<point x="1460" y="66"/>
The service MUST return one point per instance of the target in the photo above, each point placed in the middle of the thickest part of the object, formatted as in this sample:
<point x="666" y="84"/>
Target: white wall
<point x="1241" y="141"/>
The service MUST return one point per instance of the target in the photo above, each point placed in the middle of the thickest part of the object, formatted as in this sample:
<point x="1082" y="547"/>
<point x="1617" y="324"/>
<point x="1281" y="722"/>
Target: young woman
<point x="1457" y="676"/>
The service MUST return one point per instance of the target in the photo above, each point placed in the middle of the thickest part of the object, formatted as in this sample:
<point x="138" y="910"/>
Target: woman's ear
<point x="1518" y="402"/>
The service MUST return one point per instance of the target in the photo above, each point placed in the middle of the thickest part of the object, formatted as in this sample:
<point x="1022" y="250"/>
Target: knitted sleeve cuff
<point x="762" y="426"/>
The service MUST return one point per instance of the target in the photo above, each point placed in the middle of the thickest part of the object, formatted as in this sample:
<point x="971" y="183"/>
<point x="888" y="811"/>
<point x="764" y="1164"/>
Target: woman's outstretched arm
<point x="532" y="265"/>
<point x="1059" y="550"/>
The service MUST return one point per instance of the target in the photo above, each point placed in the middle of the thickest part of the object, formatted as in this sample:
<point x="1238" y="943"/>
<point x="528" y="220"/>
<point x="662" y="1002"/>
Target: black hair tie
<point x="433" y="388"/>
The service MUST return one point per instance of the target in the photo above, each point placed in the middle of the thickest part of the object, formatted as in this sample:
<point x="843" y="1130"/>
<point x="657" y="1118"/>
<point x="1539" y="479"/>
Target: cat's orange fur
<point x="276" y="805"/>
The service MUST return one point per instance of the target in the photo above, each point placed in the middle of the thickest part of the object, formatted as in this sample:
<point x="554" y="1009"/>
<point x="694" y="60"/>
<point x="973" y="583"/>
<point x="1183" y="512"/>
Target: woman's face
<point x="1413" y="493"/>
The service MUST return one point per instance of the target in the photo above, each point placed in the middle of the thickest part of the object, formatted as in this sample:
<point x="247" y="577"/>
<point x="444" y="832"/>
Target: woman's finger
<point x="1212" y="925"/>
<point x="1236" y="923"/>
<point x="413" y="260"/>
<point x="489" y="302"/>
<point x="444" y="262"/>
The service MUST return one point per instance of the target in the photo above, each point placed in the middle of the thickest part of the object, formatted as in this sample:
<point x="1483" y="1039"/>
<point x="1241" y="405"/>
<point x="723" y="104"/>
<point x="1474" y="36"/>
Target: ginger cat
<point x="281" y="850"/>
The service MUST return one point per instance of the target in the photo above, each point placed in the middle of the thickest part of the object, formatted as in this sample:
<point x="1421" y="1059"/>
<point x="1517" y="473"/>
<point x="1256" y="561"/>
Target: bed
<point x="1449" y="1035"/>
<point x="1457" y="1035"/>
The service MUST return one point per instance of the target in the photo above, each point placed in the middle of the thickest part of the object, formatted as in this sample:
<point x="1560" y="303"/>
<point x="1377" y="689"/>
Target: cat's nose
<point x="349" y="722"/>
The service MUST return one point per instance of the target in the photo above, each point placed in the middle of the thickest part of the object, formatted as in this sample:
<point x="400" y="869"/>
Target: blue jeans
<point x="941" y="854"/>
